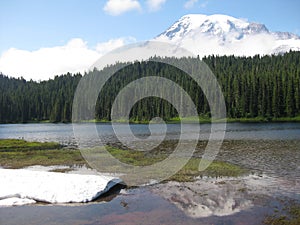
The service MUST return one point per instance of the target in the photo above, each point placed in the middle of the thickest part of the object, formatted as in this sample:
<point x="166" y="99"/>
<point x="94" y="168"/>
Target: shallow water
<point x="138" y="206"/>
<point x="270" y="151"/>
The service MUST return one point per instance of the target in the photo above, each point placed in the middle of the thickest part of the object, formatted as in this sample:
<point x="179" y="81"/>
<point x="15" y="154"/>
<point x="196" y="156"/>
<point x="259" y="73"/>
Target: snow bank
<point x="19" y="187"/>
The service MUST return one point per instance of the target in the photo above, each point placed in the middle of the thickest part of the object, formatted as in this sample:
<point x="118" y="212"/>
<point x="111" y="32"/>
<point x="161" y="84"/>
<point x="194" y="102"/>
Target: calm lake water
<point x="270" y="150"/>
<point x="63" y="133"/>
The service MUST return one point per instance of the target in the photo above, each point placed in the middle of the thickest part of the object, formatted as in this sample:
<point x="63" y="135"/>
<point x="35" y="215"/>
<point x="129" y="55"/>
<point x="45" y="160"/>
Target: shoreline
<point x="222" y="178"/>
<point x="202" y="120"/>
<point x="18" y="154"/>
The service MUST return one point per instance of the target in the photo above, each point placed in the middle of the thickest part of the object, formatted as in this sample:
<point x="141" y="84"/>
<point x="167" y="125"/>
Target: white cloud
<point x="155" y="5"/>
<point x="204" y="45"/>
<point x="204" y="4"/>
<point x="190" y="3"/>
<point x="45" y="63"/>
<point x="117" y="7"/>
<point x="105" y="47"/>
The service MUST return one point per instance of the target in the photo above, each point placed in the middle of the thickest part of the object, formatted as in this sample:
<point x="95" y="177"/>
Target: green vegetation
<point x="19" y="153"/>
<point x="290" y="215"/>
<point x="215" y="169"/>
<point x="206" y="119"/>
<point x="30" y="101"/>
<point x="201" y="119"/>
<point x="136" y="158"/>
<point x="17" y="160"/>
<point x="8" y="145"/>
<point x="187" y="173"/>
<point x="255" y="89"/>
<point x="264" y="119"/>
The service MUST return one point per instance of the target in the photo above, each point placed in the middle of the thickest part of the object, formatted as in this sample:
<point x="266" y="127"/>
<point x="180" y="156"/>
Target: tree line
<point x="259" y="86"/>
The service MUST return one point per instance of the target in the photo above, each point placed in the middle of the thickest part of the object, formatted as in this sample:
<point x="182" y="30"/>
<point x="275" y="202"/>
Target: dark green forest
<point x="261" y="86"/>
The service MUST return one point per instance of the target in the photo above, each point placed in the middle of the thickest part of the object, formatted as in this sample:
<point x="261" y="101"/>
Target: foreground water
<point x="270" y="151"/>
<point x="138" y="206"/>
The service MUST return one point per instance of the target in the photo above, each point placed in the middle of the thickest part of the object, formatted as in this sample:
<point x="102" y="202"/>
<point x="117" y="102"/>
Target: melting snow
<point x="19" y="187"/>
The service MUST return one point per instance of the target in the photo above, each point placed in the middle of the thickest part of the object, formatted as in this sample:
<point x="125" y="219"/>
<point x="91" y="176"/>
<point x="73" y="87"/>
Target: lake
<point x="63" y="133"/>
<point x="270" y="150"/>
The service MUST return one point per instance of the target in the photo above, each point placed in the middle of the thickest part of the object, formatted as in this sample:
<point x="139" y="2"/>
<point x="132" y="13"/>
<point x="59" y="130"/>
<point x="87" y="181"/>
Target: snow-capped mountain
<point x="226" y="35"/>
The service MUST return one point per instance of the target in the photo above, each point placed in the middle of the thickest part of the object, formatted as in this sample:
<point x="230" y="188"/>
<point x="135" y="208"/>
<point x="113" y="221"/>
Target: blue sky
<point x="34" y="24"/>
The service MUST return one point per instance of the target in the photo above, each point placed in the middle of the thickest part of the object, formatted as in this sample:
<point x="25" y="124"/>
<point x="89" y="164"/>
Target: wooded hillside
<point x="267" y="87"/>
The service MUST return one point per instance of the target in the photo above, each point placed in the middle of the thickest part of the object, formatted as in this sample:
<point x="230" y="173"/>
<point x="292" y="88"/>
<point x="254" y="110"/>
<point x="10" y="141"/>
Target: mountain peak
<point x="216" y="24"/>
<point x="226" y="34"/>
<point x="213" y="17"/>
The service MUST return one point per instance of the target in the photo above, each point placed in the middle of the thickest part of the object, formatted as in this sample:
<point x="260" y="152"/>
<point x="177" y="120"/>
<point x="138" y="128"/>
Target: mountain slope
<point x="226" y="35"/>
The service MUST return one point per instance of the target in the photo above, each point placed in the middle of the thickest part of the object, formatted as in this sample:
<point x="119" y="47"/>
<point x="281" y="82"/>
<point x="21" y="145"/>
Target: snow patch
<point x="23" y="186"/>
<point x="15" y="202"/>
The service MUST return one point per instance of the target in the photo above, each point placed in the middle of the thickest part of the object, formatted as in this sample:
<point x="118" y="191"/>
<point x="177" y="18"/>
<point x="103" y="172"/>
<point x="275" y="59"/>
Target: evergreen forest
<point x="266" y="87"/>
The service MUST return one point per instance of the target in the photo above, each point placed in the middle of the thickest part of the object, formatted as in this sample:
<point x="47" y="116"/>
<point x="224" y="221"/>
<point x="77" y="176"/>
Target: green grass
<point x="206" y="119"/>
<point x="16" y="153"/>
<point x="187" y="173"/>
<point x="201" y="119"/>
<point x="20" y="153"/>
<point x="22" y="145"/>
<point x="264" y="119"/>
<point x="136" y="158"/>
<point x="16" y="160"/>
<point x="289" y="216"/>
<point x="287" y="119"/>
<point x="216" y="169"/>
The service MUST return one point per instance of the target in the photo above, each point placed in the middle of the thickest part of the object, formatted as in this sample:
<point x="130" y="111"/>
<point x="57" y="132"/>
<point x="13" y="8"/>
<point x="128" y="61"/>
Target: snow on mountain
<point x="226" y="35"/>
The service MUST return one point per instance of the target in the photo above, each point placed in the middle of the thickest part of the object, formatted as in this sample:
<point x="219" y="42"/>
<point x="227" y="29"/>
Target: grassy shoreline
<point x="288" y="215"/>
<point x="15" y="154"/>
<point x="18" y="153"/>
<point x="205" y="119"/>
<point x="201" y="119"/>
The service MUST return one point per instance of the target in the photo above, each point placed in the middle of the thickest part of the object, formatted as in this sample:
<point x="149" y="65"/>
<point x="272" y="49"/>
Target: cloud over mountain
<point x="226" y="35"/>
<point x="200" y="34"/>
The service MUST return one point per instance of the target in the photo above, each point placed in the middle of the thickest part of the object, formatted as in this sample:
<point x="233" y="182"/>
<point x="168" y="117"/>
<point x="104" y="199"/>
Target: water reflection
<point x="208" y="197"/>
<point x="203" y="199"/>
